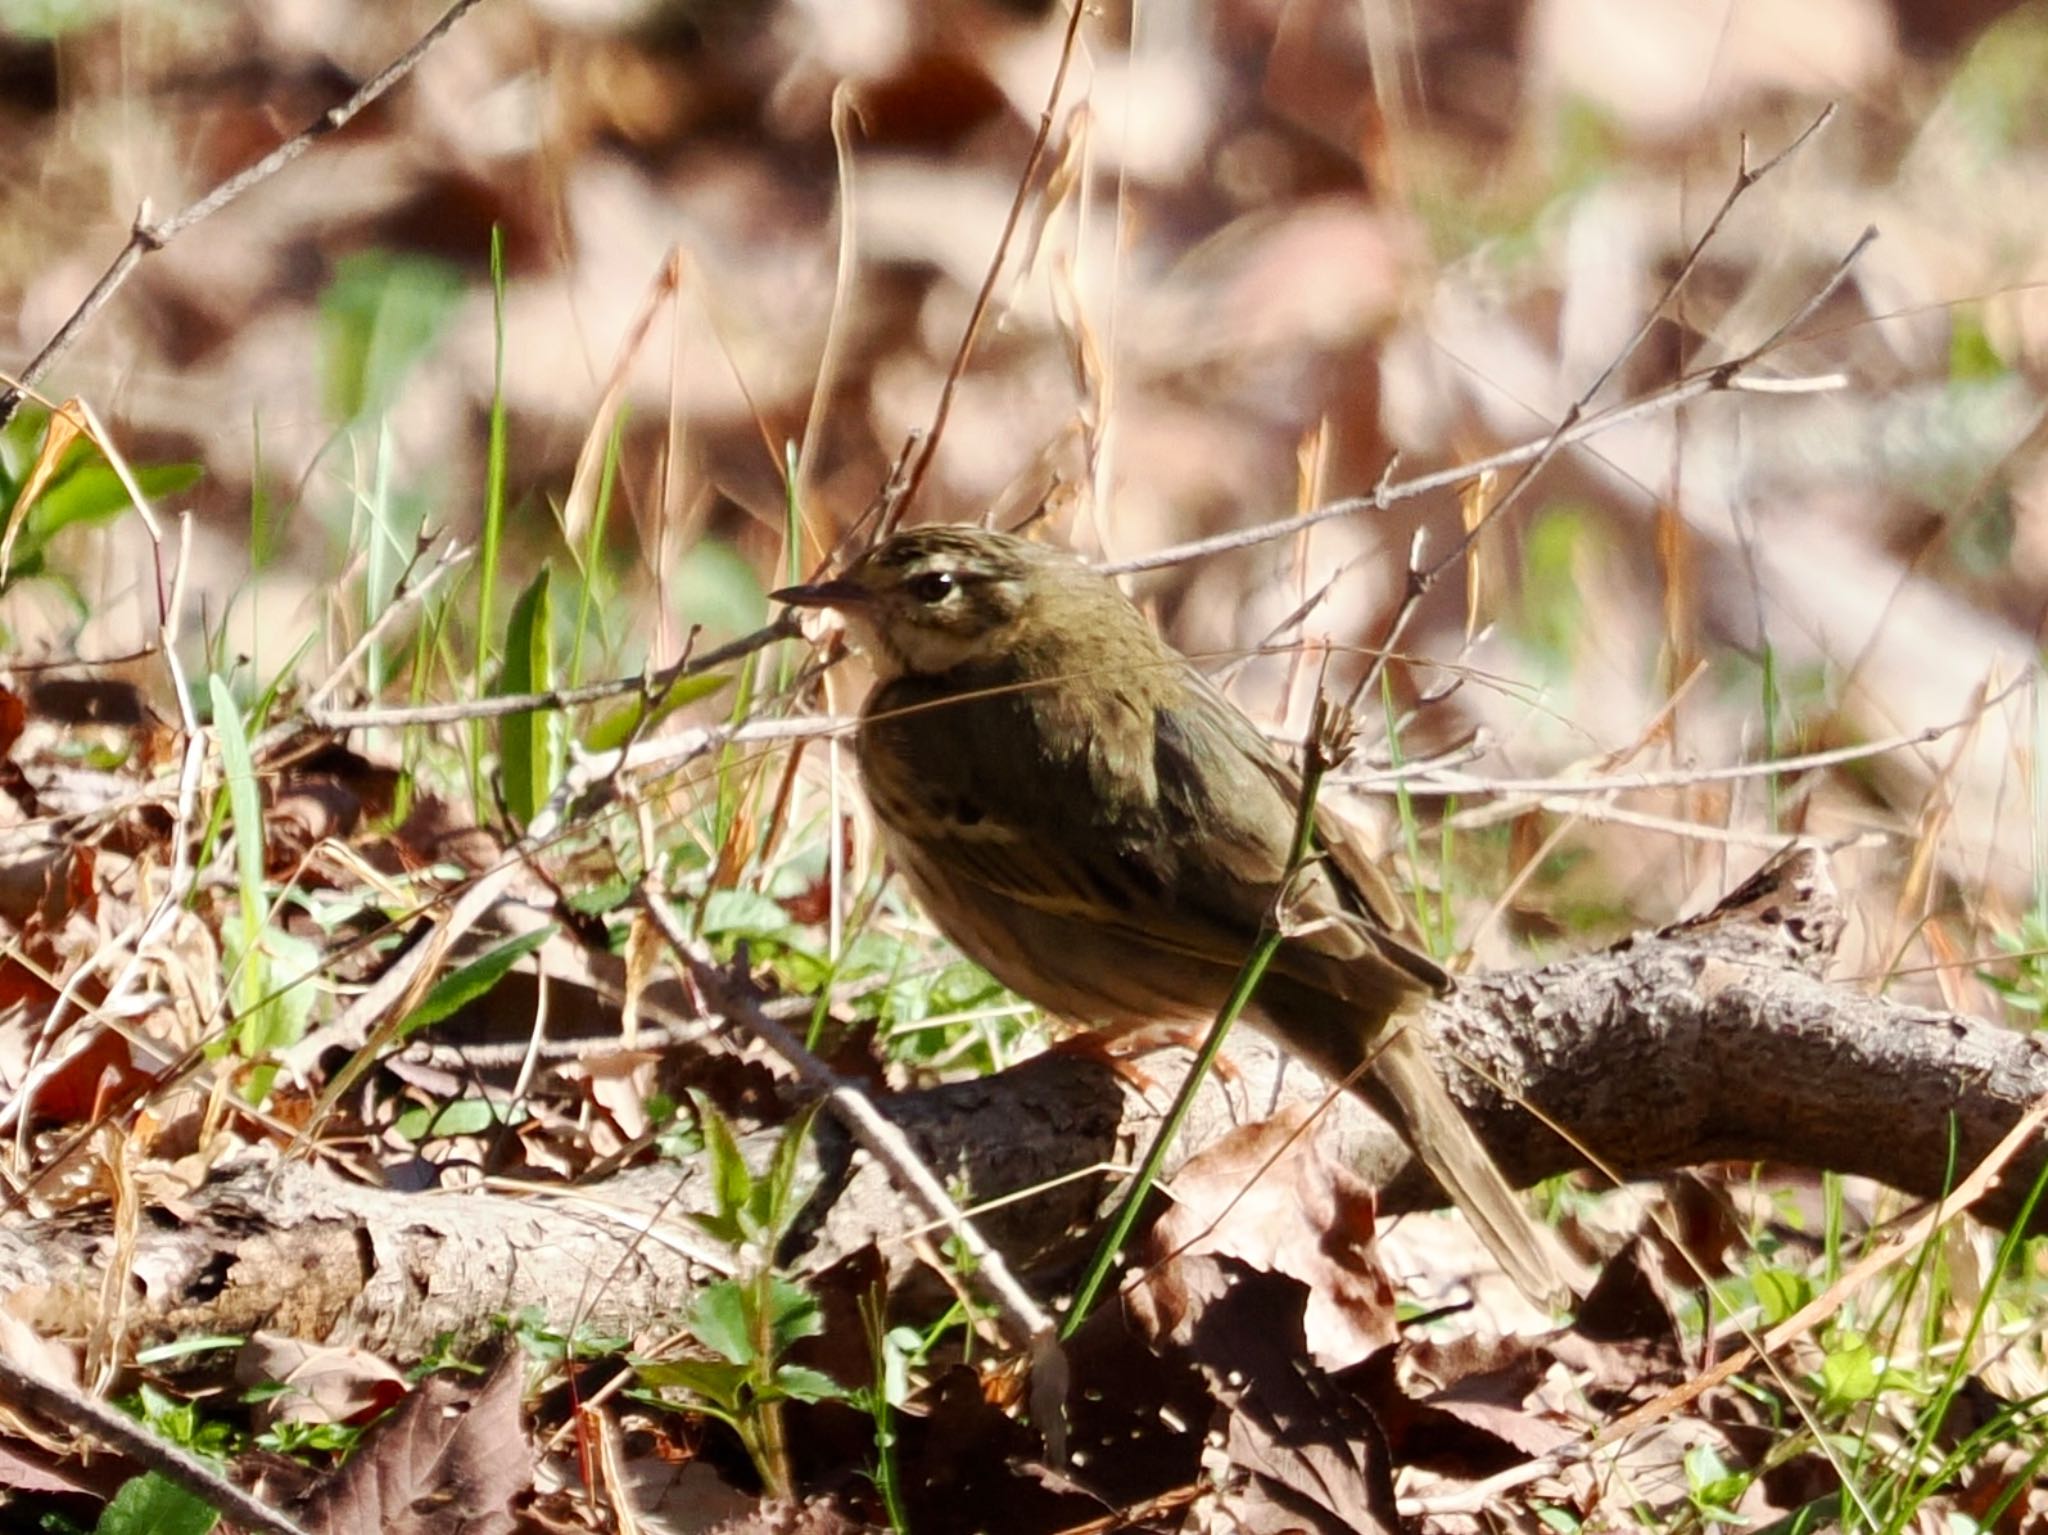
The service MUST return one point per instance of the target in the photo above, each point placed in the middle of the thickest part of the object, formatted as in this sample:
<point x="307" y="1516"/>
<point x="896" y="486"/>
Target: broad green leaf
<point x="530" y="744"/>
<point x="616" y="728"/>
<point x="1780" y="1293"/>
<point x="774" y="1199"/>
<point x="459" y="988"/>
<point x="719" y="1321"/>
<point x="89" y="492"/>
<point x="794" y="1313"/>
<point x="716" y="1381"/>
<point x="807" y="1385"/>
<point x="1849" y="1374"/>
<point x="732" y="1181"/>
<point x="278" y="974"/>
<point x="744" y="914"/>
<point x="463" y="1116"/>
<point x="153" y="1505"/>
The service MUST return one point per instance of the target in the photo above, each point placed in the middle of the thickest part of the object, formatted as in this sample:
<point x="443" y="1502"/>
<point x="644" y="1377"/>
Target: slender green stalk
<point x="770" y="1436"/>
<point x="1411" y="833"/>
<point x="494" y="507"/>
<point x="592" y="555"/>
<point x="1271" y="936"/>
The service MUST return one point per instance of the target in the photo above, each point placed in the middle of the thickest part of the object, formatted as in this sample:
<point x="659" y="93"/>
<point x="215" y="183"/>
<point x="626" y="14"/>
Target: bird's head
<point x="929" y="600"/>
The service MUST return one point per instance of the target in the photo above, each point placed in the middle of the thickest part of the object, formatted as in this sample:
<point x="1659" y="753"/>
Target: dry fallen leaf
<point x="1265" y="1194"/>
<point x="448" y="1462"/>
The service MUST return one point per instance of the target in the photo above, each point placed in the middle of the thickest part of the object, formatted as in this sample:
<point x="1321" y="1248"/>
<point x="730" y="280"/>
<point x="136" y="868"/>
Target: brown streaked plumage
<point x="1084" y="814"/>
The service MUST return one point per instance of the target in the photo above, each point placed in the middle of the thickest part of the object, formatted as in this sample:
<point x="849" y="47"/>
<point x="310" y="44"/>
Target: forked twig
<point x="892" y="515"/>
<point x="654" y="685"/>
<point x="147" y="236"/>
<point x="870" y="1129"/>
<point x="1577" y="426"/>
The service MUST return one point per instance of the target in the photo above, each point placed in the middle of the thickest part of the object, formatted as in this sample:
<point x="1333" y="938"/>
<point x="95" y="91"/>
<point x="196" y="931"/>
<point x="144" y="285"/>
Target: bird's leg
<point x="1117" y="1046"/>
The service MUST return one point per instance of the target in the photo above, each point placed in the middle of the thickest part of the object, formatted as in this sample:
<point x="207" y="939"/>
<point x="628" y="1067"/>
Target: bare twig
<point x="1693" y="386"/>
<point x="893" y="513"/>
<point x="1440" y="781"/>
<point x="449" y="559"/>
<point x="146" y="236"/>
<point x="878" y="1136"/>
<point x="1576" y="426"/>
<point x="76" y="1410"/>
<point x="784" y="627"/>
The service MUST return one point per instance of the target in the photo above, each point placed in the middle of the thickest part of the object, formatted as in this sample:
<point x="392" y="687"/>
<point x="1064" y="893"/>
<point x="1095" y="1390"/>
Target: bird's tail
<point x="1446" y="1144"/>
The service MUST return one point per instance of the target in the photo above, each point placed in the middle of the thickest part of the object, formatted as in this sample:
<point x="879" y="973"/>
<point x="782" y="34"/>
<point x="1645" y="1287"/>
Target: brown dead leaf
<point x="1136" y="1421"/>
<point x="434" y="832"/>
<point x="29" y="1350"/>
<point x="306" y="811"/>
<point x="1474" y="1405"/>
<point x="26" y="1471"/>
<point x="44" y="882"/>
<point x="1310" y="1448"/>
<point x="13" y="716"/>
<point x="97" y="1072"/>
<point x="327" y="1385"/>
<point x="448" y="1462"/>
<point x="1626" y="1335"/>
<point x="619" y="1083"/>
<point x="1266" y="1194"/>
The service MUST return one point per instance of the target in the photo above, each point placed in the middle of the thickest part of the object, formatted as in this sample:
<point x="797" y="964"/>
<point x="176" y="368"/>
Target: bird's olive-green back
<point x="1078" y="787"/>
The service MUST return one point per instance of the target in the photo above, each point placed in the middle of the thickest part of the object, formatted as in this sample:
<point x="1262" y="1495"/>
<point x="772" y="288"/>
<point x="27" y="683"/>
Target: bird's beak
<point x="836" y="593"/>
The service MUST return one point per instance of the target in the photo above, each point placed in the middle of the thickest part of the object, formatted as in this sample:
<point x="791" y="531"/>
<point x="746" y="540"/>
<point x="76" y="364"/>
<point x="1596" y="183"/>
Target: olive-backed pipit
<point x="1086" y="815"/>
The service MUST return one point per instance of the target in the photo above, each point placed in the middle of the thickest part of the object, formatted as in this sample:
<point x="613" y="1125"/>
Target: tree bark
<point x="1715" y="1039"/>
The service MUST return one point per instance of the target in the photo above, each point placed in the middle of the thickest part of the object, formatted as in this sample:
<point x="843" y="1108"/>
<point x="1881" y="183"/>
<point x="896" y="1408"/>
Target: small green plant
<point x="310" y="1441"/>
<point x="271" y="968"/>
<point x="82" y="491"/>
<point x="1713" y="1488"/>
<point x="181" y="1422"/>
<point x="152" y="1504"/>
<point x="894" y="1350"/>
<point x="749" y="1322"/>
<point x="548" y="1345"/>
<point x="2024" y="985"/>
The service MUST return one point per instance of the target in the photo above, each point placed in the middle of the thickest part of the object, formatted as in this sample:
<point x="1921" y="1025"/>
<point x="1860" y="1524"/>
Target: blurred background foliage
<point x="1270" y="233"/>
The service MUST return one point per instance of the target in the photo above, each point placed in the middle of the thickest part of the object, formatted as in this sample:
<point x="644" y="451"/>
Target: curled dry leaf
<point x="326" y="1385"/>
<point x="451" y="1459"/>
<point x="1269" y="1197"/>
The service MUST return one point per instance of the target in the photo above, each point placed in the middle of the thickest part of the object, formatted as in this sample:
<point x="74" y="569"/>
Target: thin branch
<point x="784" y="627"/>
<point x="1682" y="392"/>
<point x="146" y="236"/>
<point x="878" y="1136"/>
<point x="87" y="1414"/>
<point x="1745" y="178"/>
<point x="1576" y="425"/>
<point x="893" y="515"/>
<point x="1440" y="781"/>
<point x="452" y="557"/>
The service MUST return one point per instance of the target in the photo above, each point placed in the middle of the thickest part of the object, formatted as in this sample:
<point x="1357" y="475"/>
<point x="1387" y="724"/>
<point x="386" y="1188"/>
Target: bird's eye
<point x="932" y="586"/>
